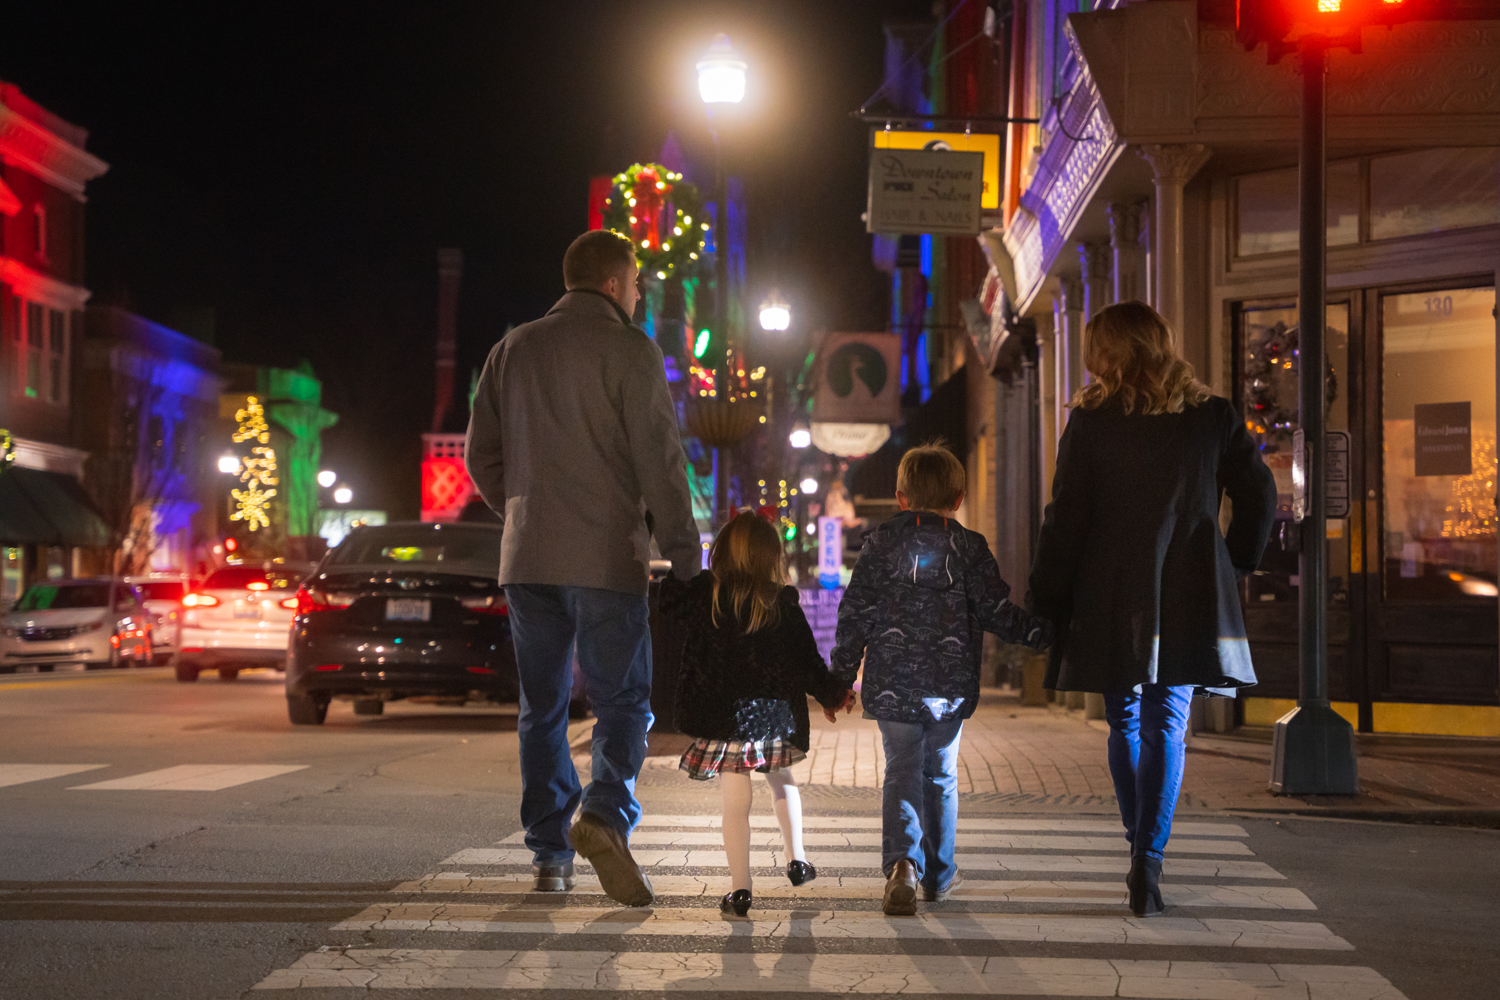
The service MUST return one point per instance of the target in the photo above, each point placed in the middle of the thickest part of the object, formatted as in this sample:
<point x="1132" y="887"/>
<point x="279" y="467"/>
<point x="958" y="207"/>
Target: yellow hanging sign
<point x="976" y="142"/>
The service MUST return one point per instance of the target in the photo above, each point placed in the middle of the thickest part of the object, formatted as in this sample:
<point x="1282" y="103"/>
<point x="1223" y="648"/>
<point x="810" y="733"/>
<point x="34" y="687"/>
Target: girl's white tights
<point x="737" y="794"/>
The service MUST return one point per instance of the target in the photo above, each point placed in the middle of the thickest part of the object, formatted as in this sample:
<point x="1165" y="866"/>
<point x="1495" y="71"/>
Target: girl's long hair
<point x="1128" y="349"/>
<point x="749" y="569"/>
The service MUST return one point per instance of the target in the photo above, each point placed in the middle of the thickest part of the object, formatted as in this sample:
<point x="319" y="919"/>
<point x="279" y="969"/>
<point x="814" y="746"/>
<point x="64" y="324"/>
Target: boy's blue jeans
<point x="614" y="653"/>
<point x="1147" y="726"/>
<point x="919" y="808"/>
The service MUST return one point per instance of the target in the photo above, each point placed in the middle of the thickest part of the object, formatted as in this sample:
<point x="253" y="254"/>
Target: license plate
<point x="408" y="609"/>
<point x="247" y="609"/>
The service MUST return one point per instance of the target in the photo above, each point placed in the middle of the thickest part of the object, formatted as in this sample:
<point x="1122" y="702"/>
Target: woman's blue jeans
<point x="1147" y="727"/>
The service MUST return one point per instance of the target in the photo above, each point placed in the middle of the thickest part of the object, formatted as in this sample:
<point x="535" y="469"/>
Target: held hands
<point x="846" y="704"/>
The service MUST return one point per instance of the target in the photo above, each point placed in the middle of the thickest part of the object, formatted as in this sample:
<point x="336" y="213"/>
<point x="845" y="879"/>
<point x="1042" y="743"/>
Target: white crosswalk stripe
<point x="977" y="824"/>
<point x="658" y="858"/>
<point x="765" y="972"/>
<point x="999" y="841"/>
<point x="593" y="921"/>
<point x="583" y="942"/>
<point x="192" y="778"/>
<point x="1257" y="897"/>
<point x="20" y="774"/>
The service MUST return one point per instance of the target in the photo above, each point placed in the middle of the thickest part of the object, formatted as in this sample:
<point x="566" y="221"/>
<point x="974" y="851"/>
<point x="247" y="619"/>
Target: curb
<point x="1483" y="818"/>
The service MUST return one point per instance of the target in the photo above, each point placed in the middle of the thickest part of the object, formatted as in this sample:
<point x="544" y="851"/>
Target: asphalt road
<point x="162" y="840"/>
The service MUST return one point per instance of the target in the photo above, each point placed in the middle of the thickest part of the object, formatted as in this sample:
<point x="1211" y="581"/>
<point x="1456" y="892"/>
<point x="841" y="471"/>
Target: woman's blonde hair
<point x="749" y="568"/>
<point x="1129" y="350"/>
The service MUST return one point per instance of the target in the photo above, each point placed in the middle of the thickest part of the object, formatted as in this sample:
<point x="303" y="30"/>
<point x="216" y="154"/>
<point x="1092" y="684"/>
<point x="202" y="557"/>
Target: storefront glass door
<point x="1413" y="569"/>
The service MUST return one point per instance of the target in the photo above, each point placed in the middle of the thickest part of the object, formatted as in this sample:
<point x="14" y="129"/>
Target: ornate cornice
<point x="28" y="146"/>
<point x="37" y="287"/>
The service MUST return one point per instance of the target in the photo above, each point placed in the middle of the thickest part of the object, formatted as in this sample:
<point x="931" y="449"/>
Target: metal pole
<point x="1313" y="746"/>
<point x="1312" y="167"/>
<point x="721" y="308"/>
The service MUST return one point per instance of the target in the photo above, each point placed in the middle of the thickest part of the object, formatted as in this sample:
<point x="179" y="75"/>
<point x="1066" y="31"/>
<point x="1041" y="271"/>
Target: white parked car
<point x="99" y="623"/>
<point x="163" y="594"/>
<point x="240" y="617"/>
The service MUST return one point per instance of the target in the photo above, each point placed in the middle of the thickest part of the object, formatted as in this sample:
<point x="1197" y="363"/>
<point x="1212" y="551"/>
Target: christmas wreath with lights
<point x="1269" y="415"/>
<point x="662" y="214"/>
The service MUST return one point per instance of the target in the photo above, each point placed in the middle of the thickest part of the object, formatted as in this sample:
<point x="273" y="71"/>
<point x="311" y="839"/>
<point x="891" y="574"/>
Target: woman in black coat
<point x="1132" y="567"/>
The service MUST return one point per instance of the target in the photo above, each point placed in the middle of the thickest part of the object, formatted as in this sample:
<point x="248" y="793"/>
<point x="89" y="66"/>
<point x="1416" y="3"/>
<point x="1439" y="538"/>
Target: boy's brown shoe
<point x="901" y="891"/>
<point x="619" y="875"/>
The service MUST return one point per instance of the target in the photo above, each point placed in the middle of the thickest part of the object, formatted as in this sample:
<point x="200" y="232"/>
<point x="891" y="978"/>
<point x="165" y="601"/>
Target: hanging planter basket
<point x="721" y="423"/>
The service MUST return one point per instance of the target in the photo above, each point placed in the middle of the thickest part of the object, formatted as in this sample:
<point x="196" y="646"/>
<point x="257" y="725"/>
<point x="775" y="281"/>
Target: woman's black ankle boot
<point x="1145" y="897"/>
<point x="798" y="872"/>
<point x="736" y="902"/>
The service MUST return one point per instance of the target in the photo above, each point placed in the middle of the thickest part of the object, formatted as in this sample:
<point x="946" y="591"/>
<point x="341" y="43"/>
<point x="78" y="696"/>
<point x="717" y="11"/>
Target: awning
<point x="48" y="508"/>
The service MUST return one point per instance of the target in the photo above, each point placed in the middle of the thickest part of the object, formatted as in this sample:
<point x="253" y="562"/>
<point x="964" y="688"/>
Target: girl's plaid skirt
<point x="706" y="758"/>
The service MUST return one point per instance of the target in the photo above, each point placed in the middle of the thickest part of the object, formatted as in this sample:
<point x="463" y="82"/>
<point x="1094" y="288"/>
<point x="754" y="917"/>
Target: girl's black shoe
<point x="736" y="902"/>
<point x="798" y="872"/>
<point x="1145" y="897"/>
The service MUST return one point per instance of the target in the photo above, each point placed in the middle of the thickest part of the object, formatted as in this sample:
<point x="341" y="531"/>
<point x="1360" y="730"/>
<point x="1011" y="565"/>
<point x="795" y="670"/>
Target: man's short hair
<point x="931" y="478"/>
<point x="595" y="257"/>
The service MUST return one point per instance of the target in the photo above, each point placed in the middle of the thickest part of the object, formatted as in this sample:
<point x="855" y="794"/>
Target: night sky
<point x="294" y="167"/>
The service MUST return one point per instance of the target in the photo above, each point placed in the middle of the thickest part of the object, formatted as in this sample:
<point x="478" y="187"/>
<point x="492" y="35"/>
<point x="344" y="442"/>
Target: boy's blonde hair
<point x="931" y="478"/>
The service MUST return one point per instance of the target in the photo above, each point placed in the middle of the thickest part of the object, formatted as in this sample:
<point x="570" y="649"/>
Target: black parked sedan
<point x="396" y="611"/>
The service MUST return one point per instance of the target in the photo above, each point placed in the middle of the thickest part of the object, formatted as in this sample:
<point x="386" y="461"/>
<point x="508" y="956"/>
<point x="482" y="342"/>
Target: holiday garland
<point x="1268" y="366"/>
<point x="661" y="214"/>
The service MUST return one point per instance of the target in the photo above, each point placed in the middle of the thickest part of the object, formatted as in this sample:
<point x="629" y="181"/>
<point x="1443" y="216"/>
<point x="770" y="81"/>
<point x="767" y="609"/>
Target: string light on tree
<point x="258" y="470"/>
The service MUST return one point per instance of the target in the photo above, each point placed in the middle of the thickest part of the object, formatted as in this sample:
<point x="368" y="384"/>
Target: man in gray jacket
<point x="573" y="440"/>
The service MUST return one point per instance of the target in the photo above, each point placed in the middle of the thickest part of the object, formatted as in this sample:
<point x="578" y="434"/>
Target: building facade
<point x="45" y="519"/>
<point x="1163" y="168"/>
<point x="147" y="402"/>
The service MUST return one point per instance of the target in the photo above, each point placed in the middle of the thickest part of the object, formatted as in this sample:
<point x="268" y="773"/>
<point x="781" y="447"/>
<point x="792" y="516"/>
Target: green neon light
<point x="791" y="532"/>
<point x="701" y="346"/>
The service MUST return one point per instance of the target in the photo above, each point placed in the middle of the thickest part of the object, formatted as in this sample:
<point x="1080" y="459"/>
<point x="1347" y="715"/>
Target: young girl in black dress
<point x="749" y="662"/>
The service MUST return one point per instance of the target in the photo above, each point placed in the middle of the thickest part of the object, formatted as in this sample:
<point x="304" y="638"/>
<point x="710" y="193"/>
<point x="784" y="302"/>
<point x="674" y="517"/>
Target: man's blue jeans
<point x="614" y="652"/>
<point x="919" y="808"/>
<point x="1147" y="726"/>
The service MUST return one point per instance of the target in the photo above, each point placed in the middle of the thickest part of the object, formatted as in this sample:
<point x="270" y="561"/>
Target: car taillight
<point x="493" y="605"/>
<point x="258" y="585"/>
<point x="308" y="600"/>
<point x="290" y="603"/>
<point x="199" y="601"/>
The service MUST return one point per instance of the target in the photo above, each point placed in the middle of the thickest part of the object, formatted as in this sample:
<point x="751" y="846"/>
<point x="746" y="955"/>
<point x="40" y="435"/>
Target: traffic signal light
<point x="1282" y="24"/>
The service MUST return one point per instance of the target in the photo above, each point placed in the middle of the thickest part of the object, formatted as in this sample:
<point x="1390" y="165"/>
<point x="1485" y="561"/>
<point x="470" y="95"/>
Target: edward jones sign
<point x="925" y="191"/>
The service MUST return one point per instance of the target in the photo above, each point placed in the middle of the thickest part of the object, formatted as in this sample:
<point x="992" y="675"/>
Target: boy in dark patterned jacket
<point x="923" y="592"/>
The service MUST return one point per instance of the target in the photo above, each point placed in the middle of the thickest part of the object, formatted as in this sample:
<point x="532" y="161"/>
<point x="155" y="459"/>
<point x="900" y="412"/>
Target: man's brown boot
<point x="604" y="847"/>
<point x="901" y="890"/>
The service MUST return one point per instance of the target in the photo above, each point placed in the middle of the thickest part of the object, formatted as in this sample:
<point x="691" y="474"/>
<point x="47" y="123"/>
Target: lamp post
<point x="721" y="80"/>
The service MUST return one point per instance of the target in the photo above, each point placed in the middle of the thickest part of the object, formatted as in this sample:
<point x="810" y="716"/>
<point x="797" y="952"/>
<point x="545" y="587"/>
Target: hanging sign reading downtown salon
<point x="925" y="191"/>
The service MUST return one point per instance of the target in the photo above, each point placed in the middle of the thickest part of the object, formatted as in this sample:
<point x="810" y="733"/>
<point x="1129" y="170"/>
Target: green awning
<point x="48" y="508"/>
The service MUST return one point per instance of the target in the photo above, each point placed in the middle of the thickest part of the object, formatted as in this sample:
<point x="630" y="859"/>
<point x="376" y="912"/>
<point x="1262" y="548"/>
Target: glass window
<point x="241" y="577"/>
<point x="468" y="549"/>
<point x="51" y="597"/>
<point x="57" y="329"/>
<point x="1434" y="189"/>
<point x="1438" y="390"/>
<point x="1267" y="209"/>
<point x="1268" y="399"/>
<point x="36" y="324"/>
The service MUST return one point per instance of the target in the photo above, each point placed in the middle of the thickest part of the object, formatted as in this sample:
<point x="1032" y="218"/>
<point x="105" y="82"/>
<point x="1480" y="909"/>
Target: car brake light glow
<point x="290" y="603"/>
<point x="199" y="601"/>
<point x="329" y="666"/>
<point x="495" y="605"/>
<point x="308" y="600"/>
<point x="479" y="670"/>
<point x="258" y="585"/>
